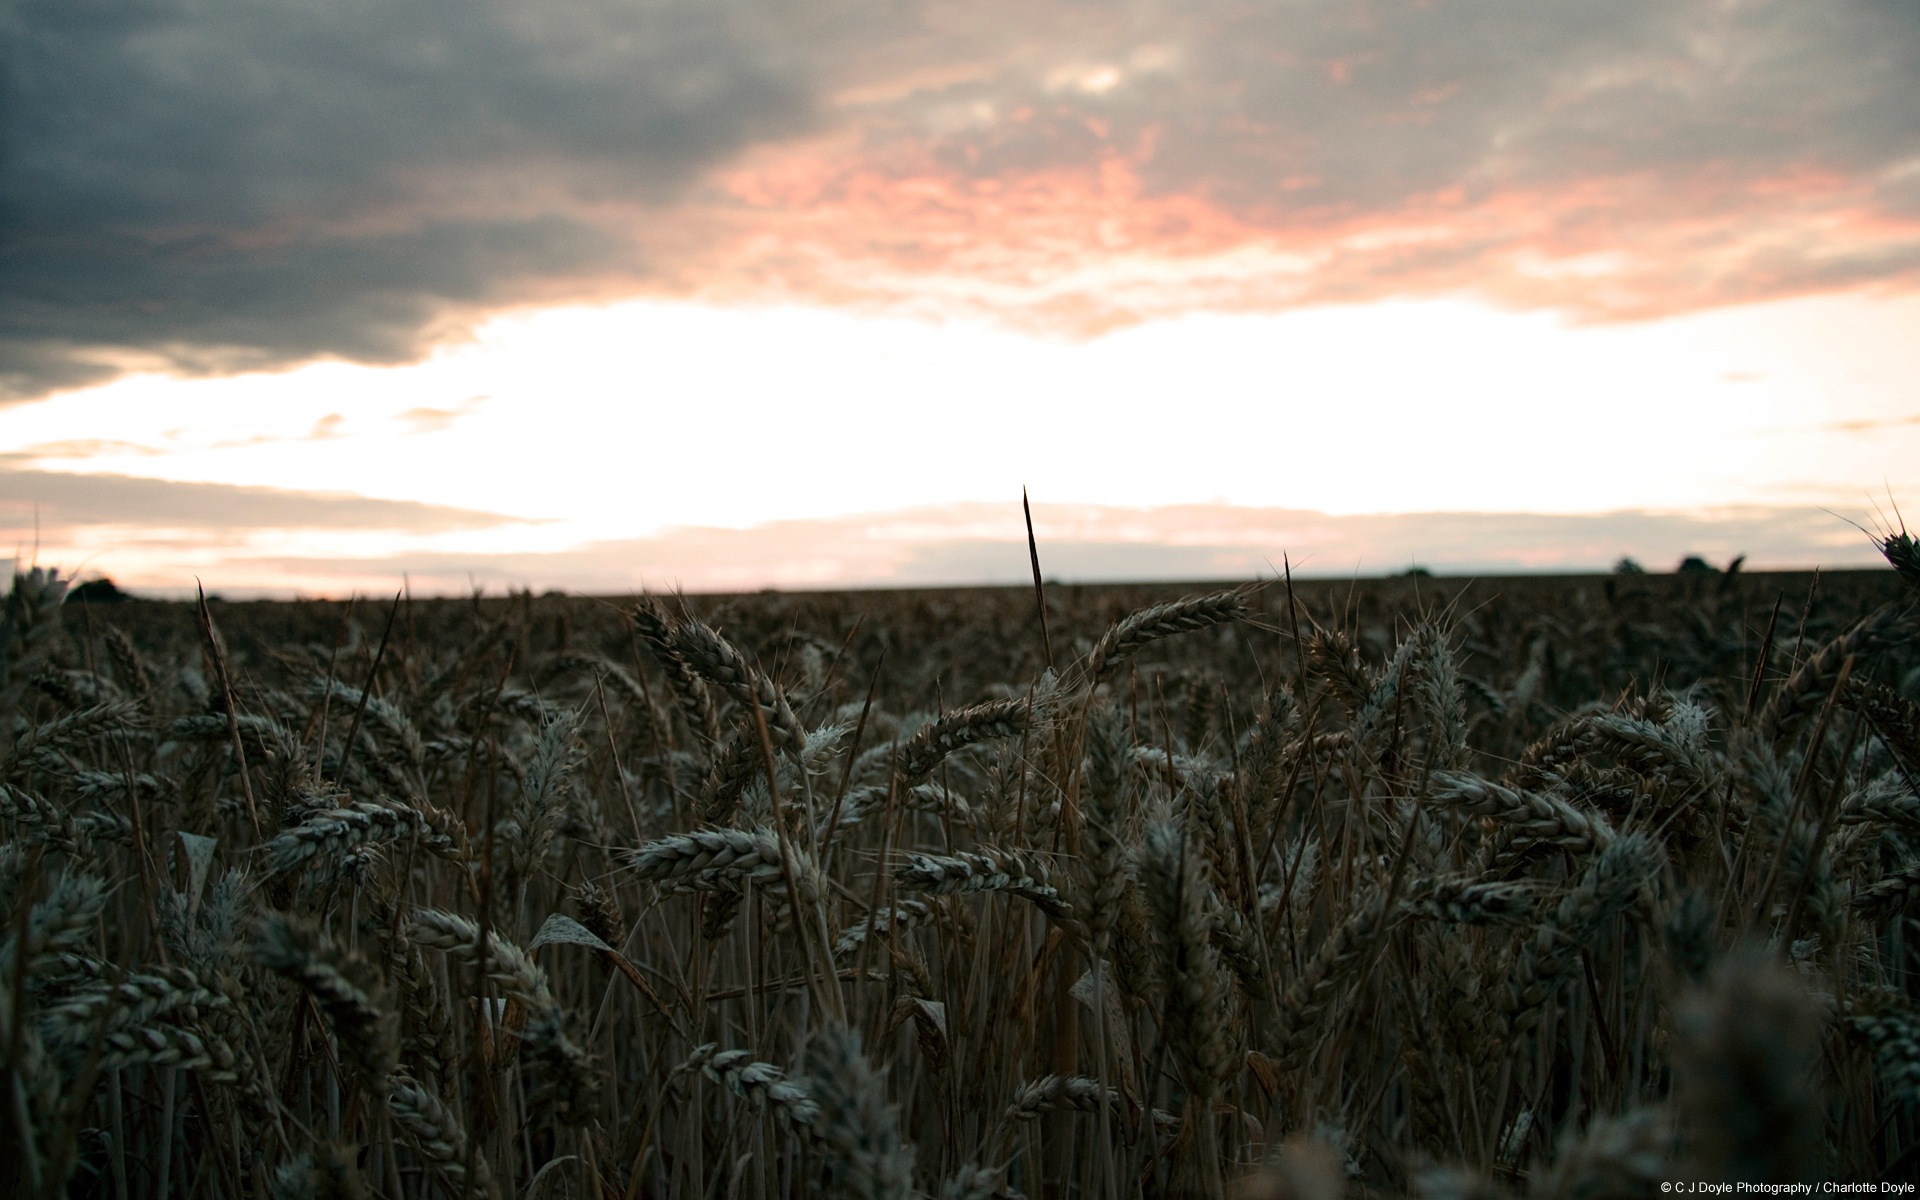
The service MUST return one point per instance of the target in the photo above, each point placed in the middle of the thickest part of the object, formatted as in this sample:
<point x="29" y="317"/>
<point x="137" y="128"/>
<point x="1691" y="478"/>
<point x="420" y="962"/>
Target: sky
<point x="316" y="296"/>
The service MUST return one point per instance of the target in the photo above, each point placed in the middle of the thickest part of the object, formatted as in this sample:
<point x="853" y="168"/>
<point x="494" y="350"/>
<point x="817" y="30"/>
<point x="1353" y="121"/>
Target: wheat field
<point x="1413" y="887"/>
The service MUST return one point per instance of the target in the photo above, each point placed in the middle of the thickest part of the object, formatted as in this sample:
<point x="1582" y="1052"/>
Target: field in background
<point x="1556" y="887"/>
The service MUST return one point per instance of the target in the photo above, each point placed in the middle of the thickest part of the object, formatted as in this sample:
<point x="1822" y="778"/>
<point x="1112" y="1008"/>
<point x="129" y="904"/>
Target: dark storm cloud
<point x="221" y="184"/>
<point x="60" y="500"/>
<point x="211" y="185"/>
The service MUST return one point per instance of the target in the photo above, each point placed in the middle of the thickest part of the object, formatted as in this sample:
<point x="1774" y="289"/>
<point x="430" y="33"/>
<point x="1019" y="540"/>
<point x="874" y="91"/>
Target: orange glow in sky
<point x="600" y="296"/>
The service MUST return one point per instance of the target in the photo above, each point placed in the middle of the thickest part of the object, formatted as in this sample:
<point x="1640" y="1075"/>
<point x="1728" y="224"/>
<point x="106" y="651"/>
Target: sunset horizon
<point x="984" y="545"/>
<point x="302" y="301"/>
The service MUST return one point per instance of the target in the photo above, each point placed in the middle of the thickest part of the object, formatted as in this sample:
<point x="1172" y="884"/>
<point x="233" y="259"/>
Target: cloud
<point x="438" y="420"/>
<point x="84" y="448"/>
<point x="225" y="185"/>
<point x="59" y="501"/>
<point x="222" y="185"/>
<point x="1869" y="425"/>
<point x="1630" y="161"/>
<point x="985" y="544"/>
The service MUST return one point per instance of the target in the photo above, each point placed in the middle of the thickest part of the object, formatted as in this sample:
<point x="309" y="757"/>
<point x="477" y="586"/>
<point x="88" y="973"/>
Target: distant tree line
<point x="1692" y="564"/>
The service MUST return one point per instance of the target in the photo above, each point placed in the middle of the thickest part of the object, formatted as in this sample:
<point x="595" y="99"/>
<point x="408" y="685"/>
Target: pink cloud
<point x="1082" y="249"/>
